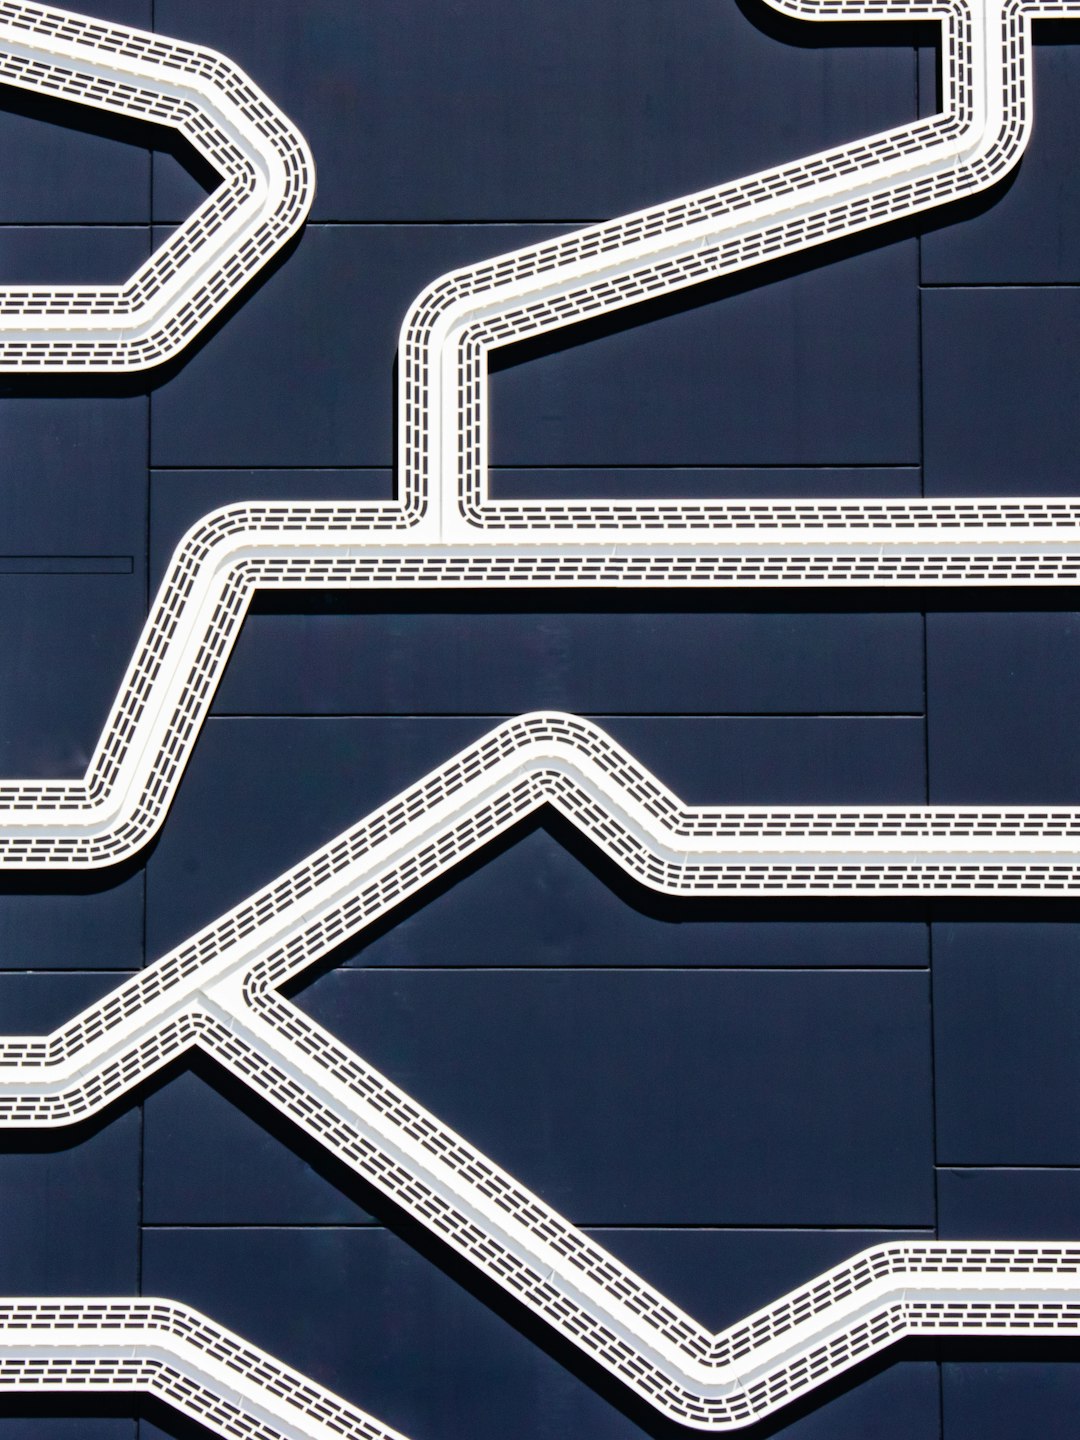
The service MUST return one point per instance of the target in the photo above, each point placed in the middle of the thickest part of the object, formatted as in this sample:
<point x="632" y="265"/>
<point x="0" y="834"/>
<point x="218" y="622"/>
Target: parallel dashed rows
<point x="220" y="992"/>
<point x="268" y="183"/>
<point x="160" y="1348"/>
<point x="443" y="531"/>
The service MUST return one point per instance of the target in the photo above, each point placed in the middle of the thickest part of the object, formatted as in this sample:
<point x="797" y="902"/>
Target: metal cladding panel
<point x="584" y="848"/>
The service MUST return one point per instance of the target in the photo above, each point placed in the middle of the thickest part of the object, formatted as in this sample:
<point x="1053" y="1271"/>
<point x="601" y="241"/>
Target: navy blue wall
<point x="733" y="1096"/>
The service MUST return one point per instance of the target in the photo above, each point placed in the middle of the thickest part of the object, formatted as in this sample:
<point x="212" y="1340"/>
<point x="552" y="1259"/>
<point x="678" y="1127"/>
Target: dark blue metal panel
<point x="66" y="639"/>
<point x="1005" y="1391"/>
<point x="213" y="1156"/>
<point x="668" y="1097"/>
<point x="320" y="333"/>
<point x="495" y="655"/>
<point x="180" y="498"/>
<point x="67" y="253"/>
<point x="74" y="485"/>
<point x="380" y="1306"/>
<point x="708" y="1078"/>
<point x="756" y="378"/>
<point x="261" y="793"/>
<point x="548" y="900"/>
<point x="67" y="165"/>
<point x="629" y="482"/>
<point x="1022" y="1203"/>
<point x="1006" y="688"/>
<point x="557" y="111"/>
<point x="259" y="796"/>
<point x="1027" y="232"/>
<point x="1000" y="390"/>
<point x="1006" y="1008"/>
<point x="70" y="1202"/>
<point x="90" y="921"/>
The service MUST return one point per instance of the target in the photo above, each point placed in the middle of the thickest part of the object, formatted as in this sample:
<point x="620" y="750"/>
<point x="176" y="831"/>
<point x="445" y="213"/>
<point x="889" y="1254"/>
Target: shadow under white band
<point x="268" y="183"/>
<point x="444" y="532"/>
<point x="220" y="992"/>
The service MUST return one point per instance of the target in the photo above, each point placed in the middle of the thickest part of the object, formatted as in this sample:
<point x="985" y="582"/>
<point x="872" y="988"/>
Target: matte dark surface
<point x="1007" y="1010"/>
<point x="625" y="1097"/>
<point x="1005" y="730"/>
<point x="74" y="489"/>
<point x="753" y="378"/>
<point x="1026" y="235"/>
<point x="481" y="1374"/>
<point x="547" y="899"/>
<point x="743" y="1093"/>
<point x="563" y="112"/>
<point x="66" y="639"/>
<point x="1019" y="1390"/>
<point x="628" y="482"/>
<point x="264" y="825"/>
<point x="1000" y="390"/>
<point x="332" y="311"/>
<point x="99" y="170"/>
<point x="70" y="1201"/>
<point x="434" y="653"/>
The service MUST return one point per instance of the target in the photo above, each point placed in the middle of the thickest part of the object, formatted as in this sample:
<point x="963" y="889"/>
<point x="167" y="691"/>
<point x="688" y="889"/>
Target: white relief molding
<point x="268" y="183"/>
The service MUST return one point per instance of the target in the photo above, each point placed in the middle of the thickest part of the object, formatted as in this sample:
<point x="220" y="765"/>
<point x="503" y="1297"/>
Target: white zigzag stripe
<point x="160" y="1348"/>
<point x="220" y="992"/>
<point x="978" y="137"/>
<point x="443" y="531"/>
<point x="268" y="186"/>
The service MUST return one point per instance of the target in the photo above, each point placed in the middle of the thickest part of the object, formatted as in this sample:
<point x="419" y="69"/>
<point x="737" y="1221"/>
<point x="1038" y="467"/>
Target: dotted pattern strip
<point x="164" y="1349"/>
<point x="125" y="794"/>
<point x="220" y="992"/>
<point x="160" y="1348"/>
<point x="268" y="186"/>
<point x="977" y="139"/>
<point x="131" y="779"/>
<point x="79" y="823"/>
<point x="296" y="1064"/>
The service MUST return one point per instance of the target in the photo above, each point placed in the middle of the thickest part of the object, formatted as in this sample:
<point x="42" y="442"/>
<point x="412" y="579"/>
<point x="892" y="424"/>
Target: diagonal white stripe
<point x="220" y="991"/>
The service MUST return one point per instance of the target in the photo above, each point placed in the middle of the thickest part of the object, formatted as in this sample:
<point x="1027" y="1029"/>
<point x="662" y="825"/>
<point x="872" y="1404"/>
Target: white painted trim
<point x="268" y="184"/>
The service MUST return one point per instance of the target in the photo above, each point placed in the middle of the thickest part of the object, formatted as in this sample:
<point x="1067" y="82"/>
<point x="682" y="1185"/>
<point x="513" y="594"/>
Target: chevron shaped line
<point x="123" y="798"/>
<point x="709" y="1381"/>
<point x="220" y="992"/>
<point x="268" y="185"/>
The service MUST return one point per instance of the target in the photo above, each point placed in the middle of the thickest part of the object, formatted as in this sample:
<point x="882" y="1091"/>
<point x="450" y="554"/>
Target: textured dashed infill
<point x="220" y="991"/>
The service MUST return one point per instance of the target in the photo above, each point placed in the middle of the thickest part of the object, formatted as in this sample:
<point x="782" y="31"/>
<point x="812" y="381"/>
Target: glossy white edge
<point x="977" y="138"/>
<point x="426" y="539"/>
<point x="135" y="769"/>
<point x="268" y="183"/>
<point x="220" y="992"/>
<point x="173" y="1353"/>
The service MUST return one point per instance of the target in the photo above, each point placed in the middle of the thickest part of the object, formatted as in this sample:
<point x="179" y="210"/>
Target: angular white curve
<point x="976" y="139"/>
<point x="268" y="184"/>
<point x="220" y="992"/>
<point x="172" y="1352"/>
<point x="124" y="796"/>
